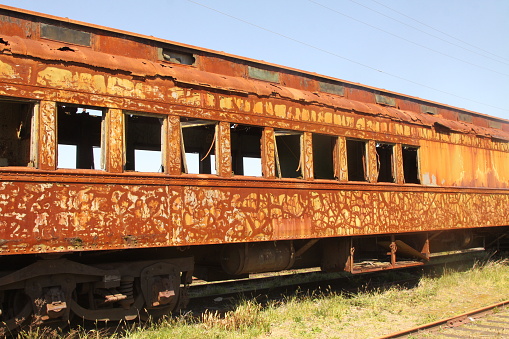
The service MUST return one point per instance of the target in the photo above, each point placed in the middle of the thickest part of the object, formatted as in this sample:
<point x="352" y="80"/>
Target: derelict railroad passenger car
<point x="128" y="162"/>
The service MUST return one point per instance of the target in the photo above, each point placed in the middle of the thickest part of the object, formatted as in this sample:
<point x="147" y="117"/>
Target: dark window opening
<point x="198" y="146"/>
<point x="143" y="143"/>
<point x="262" y="74"/>
<point x="15" y="133"/>
<point x="323" y="156"/>
<point x="288" y="154"/>
<point x="176" y="57"/>
<point x="64" y="34"/>
<point x="384" y="154"/>
<point x="411" y="165"/>
<point x="246" y="150"/>
<point x="385" y="100"/>
<point x="79" y="137"/>
<point x="331" y="88"/>
<point x="356" y="160"/>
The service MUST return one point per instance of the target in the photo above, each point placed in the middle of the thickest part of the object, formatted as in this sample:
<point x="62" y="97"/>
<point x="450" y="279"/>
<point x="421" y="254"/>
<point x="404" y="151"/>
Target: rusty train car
<point x="128" y="164"/>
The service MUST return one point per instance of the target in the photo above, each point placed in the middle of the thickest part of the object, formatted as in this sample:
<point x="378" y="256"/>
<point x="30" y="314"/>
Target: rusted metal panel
<point x="128" y="47"/>
<point x="126" y="87"/>
<point x="446" y="164"/>
<point x="307" y="155"/>
<point x="115" y="141"/>
<point x="47" y="135"/>
<point x="116" y="85"/>
<point x="223" y="149"/>
<point x="268" y="153"/>
<point x="55" y="215"/>
<point x="173" y="146"/>
<point x="71" y="210"/>
<point x="398" y="164"/>
<point x="372" y="162"/>
<point x="341" y="165"/>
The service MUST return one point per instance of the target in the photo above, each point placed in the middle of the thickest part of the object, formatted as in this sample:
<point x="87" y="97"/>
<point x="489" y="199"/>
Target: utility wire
<point x="342" y="57"/>
<point x="405" y="39"/>
<point x="427" y="33"/>
<point x="437" y="30"/>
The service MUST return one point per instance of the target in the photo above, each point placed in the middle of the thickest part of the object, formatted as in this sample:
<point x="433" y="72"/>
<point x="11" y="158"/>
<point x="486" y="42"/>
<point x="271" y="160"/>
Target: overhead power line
<point x="340" y="56"/>
<point x="427" y="33"/>
<point x="405" y="39"/>
<point x="439" y="31"/>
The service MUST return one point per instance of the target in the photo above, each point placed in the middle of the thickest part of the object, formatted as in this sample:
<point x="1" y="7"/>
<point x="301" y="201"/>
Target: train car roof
<point x="240" y="58"/>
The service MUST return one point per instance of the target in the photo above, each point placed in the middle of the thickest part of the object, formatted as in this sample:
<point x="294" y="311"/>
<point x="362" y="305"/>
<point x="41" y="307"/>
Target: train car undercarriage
<point x="112" y="286"/>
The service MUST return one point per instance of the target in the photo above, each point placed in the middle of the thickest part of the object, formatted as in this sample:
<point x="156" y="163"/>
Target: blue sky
<point x="450" y="51"/>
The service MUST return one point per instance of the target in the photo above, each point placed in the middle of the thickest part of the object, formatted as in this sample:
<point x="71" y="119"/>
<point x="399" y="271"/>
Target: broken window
<point x="15" y="133"/>
<point x="356" y="160"/>
<point x="176" y="56"/>
<point x="411" y="165"/>
<point x="143" y="143"/>
<point x="198" y="146"/>
<point x="323" y="156"/>
<point x="246" y="150"/>
<point x="288" y="154"/>
<point x="79" y="137"/>
<point x="384" y="155"/>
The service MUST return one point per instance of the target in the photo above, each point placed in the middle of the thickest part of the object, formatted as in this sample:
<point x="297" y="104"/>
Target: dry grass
<point x="328" y="314"/>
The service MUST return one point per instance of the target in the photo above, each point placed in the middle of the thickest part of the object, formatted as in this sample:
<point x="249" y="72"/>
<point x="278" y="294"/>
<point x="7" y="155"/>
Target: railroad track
<point x="487" y="322"/>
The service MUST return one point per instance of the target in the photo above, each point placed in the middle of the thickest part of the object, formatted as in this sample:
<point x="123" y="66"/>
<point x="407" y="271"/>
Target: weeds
<point x="328" y="313"/>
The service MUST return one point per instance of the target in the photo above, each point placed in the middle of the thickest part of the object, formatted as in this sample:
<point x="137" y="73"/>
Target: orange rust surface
<point x="463" y="155"/>
<point x="48" y="217"/>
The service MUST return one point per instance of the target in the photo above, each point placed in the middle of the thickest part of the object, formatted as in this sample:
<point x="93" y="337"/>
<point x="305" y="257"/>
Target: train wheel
<point x="16" y="310"/>
<point x="160" y="285"/>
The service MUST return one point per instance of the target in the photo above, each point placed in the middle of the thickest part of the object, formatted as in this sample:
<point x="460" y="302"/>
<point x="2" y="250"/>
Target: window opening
<point x="143" y="143"/>
<point x="64" y="34"/>
<point x="79" y="132"/>
<point x="262" y="74"/>
<point x="177" y="57"/>
<point x="67" y="155"/>
<point x="246" y="150"/>
<point x="323" y="156"/>
<point x="15" y="133"/>
<point x="198" y="146"/>
<point x="288" y="153"/>
<point x="411" y="164"/>
<point x="356" y="160"/>
<point x="384" y="154"/>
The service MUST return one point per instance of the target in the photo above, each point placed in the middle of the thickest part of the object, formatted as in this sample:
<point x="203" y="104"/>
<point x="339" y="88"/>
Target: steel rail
<point x="462" y="318"/>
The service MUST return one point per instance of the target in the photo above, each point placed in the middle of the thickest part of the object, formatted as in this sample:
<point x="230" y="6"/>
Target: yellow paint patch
<point x="226" y="103"/>
<point x="210" y="100"/>
<point x="305" y="114"/>
<point x="8" y="72"/>
<point x="55" y="77"/>
<point x="121" y="87"/>
<point x="258" y="107"/>
<point x="280" y="111"/>
<point x="269" y="108"/>
<point x="328" y="117"/>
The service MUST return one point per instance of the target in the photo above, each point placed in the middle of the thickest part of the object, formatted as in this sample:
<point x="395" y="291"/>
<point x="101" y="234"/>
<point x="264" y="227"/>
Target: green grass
<point x="329" y="314"/>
